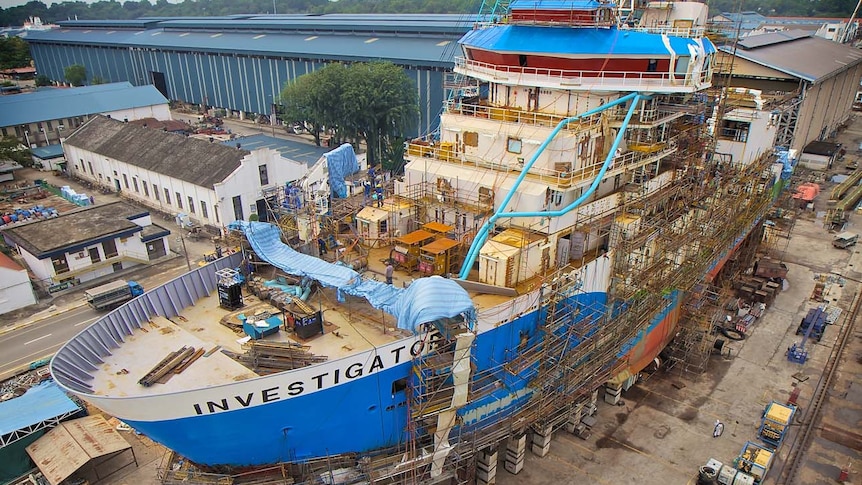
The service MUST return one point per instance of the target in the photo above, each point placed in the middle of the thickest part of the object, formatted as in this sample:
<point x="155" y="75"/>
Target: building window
<point x="94" y="255"/>
<point x="167" y="196"/>
<point x="264" y="177"/>
<point x="204" y="213"/>
<point x="191" y="205"/>
<point x="237" y="208"/>
<point x="126" y="180"/>
<point x="110" y="248"/>
<point x="179" y="200"/>
<point x="146" y="189"/>
<point x="90" y="164"/>
<point x="513" y="145"/>
<point x="135" y="183"/>
<point x="215" y="211"/>
<point x="60" y="264"/>
<point x="156" y="192"/>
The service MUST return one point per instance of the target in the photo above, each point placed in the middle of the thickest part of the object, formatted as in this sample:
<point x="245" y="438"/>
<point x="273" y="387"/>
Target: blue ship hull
<point x="358" y="416"/>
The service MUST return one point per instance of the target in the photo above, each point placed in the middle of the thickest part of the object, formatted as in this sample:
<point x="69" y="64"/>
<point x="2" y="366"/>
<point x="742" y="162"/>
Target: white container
<point x="743" y="479"/>
<point x="726" y="475"/>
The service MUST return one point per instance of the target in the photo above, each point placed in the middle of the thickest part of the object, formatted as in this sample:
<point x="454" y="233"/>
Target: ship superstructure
<point x="571" y="200"/>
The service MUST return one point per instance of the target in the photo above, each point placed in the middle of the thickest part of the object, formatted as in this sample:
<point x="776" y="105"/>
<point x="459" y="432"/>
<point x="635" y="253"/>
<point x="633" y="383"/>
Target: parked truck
<point x="113" y="294"/>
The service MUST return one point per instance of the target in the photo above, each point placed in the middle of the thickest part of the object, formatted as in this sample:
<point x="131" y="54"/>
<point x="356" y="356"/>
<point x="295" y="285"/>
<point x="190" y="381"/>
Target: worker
<point x="389" y="271"/>
<point x="367" y="186"/>
<point x="379" y="196"/>
<point x="321" y="244"/>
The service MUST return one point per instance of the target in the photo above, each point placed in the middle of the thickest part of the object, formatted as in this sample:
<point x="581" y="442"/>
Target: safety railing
<point x="637" y="155"/>
<point x="630" y="80"/>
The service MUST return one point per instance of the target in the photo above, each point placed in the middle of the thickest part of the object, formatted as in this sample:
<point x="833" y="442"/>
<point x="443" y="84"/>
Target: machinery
<point x="754" y="460"/>
<point x="774" y="425"/>
<point x="812" y="325"/>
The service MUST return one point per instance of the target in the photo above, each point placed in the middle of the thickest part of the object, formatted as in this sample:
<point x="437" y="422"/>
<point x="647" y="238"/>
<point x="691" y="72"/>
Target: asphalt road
<point x="42" y="339"/>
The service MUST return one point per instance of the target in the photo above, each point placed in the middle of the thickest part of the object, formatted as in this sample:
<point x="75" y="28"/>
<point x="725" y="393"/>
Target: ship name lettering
<point x="270" y="394"/>
<point x="353" y="370"/>
<point x="296" y="388"/>
<point x="397" y="353"/>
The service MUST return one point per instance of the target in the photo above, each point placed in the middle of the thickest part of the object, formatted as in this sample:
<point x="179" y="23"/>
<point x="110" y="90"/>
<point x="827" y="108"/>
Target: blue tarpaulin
<point x="425" y="300"/>
<point x="341" y="162"/>
<point x="40" y="403"/>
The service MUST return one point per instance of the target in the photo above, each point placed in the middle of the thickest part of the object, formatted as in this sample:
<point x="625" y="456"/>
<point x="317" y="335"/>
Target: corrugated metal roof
<point x="771" y="38"/>
<point x="293" y="150"/>
<point x="39" y="403"/>
<point x="405" y="23"/>
<point x="195" y="161"/>
<point x="585" y="41"/>
<point x="72" y="444"/>
<point x="808" y="58"/>
<point x="418" y="50"/>
<point x="59" y="103"/>
<point x="48" y="152"/>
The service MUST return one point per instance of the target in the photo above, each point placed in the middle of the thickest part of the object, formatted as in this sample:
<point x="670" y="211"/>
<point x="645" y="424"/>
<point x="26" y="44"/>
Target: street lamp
<point x="185" y="251"/>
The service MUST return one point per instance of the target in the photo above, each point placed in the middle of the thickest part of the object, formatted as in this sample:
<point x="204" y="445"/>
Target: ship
<point x="544" y="242"/>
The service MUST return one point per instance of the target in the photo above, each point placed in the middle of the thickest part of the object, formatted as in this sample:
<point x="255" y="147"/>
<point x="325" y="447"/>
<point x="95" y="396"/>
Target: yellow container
<point x="447" y="151"/>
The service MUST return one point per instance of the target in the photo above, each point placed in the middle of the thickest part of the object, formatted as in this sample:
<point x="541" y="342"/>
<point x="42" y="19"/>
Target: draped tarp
<point x="425" y="300"/>
<point x="340" y="162"/>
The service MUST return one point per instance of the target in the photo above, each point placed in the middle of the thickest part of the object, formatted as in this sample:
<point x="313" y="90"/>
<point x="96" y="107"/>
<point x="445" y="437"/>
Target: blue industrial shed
<point x="241" y="63"/>
<point x="56" y="104"/>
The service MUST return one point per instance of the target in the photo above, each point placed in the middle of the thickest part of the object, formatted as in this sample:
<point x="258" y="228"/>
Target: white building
<point x="15" y="288"/>
<point x="211" y="183"/>
<point x="88" y="243"/>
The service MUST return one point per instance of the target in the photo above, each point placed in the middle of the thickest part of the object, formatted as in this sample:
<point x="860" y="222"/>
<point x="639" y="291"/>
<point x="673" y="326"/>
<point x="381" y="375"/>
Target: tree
<point x="76" y="74"/>
<point x="98" y="80"/>
<point x="43" y="80"/>
<point x="12" y="149"/>
<point x="381" y="103"/>
<point x="14" y="52"/>
<point x="371" y="102"/>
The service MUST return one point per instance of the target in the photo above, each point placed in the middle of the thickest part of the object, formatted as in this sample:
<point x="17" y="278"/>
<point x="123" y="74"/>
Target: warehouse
<point x="809" y="84"/>
<point x="241" y="63"/>
<point x="202" y="181"/>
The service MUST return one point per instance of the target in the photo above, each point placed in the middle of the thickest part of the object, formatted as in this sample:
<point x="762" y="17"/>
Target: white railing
<point x="628" y="161"/>
<point x="612" y="80"/>
<point x="512" y="115"/>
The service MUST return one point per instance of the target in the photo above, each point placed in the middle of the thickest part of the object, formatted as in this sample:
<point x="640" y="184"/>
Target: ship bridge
<point x="616" y="59"/>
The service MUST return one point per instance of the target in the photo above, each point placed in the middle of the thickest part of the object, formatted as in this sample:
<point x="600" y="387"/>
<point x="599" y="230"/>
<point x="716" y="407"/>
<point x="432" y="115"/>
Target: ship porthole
<point x="372" y="408"/>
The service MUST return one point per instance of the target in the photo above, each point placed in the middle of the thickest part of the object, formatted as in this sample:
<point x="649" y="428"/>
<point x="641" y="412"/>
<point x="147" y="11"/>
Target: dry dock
<point x="662" y="431"/>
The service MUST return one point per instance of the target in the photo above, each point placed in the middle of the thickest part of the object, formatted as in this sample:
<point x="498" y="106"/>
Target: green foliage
<point x="12" y="149"/>
<point x="373" y="102"/>
<point x="98" y="80"/>
<point x="6" y="83"/>
<point x="75" y="74"/>
<point x="43" y="80"/>
<point x="14" y="52"/>
<point x="253" y="218"/>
